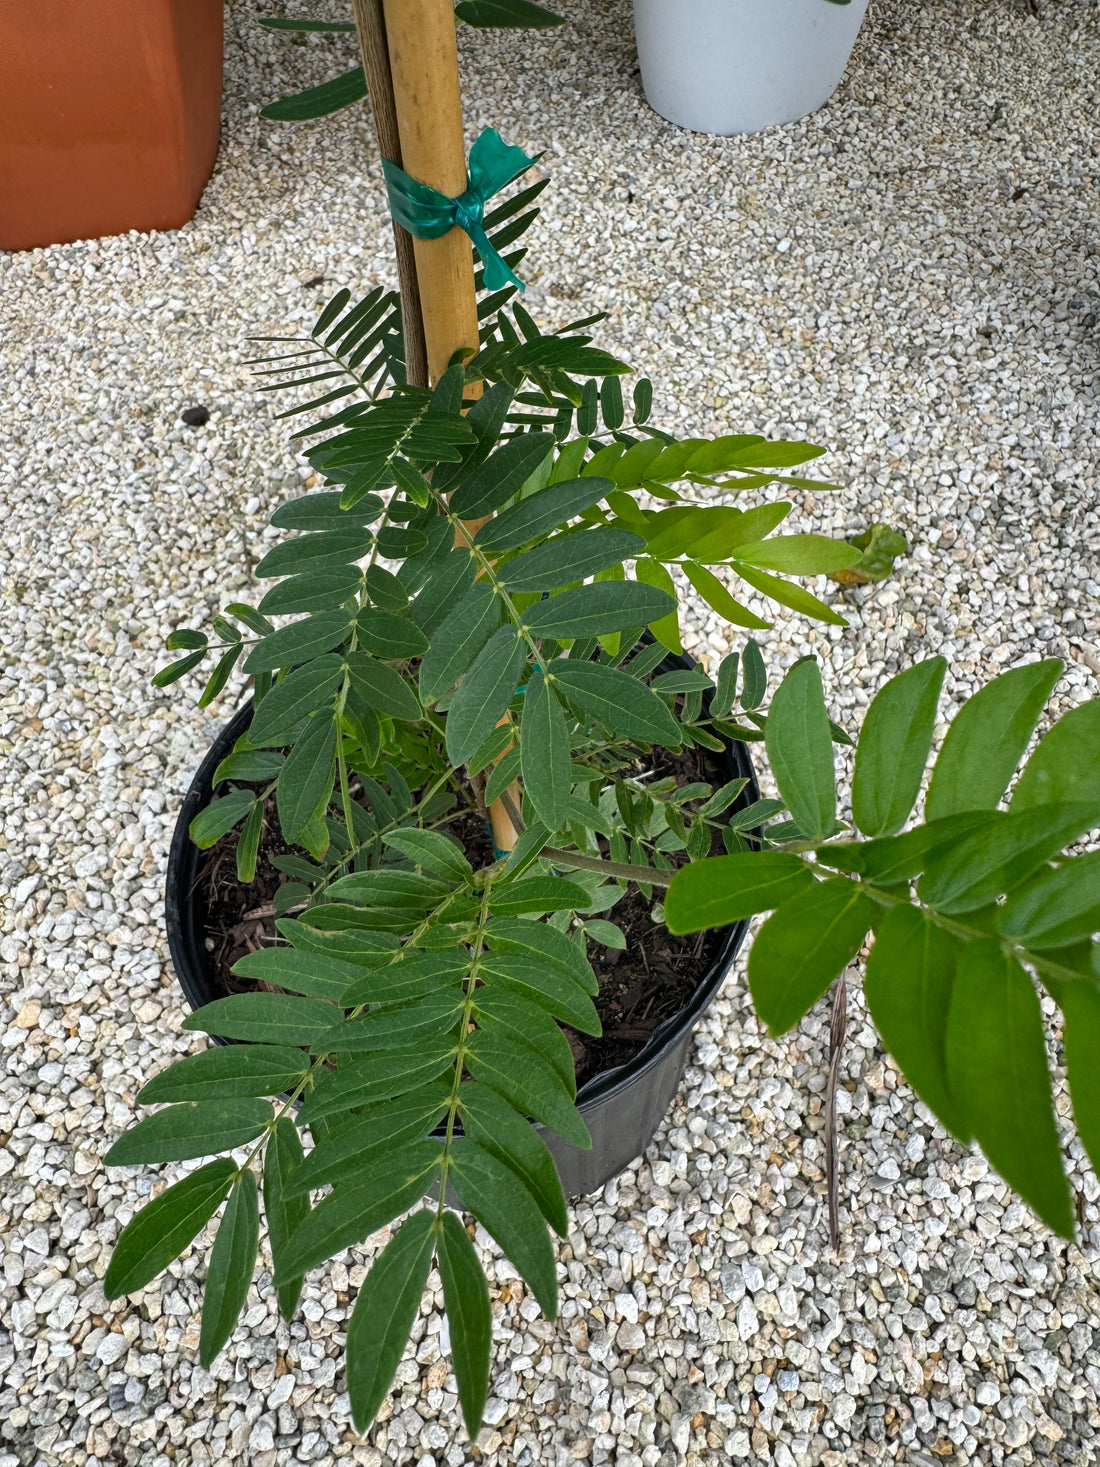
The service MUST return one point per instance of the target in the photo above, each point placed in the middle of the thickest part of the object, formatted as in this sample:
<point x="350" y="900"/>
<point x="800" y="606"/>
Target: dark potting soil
<point x="641" y="985"/>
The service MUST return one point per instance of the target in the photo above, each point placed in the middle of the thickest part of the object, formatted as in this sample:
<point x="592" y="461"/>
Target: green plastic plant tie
<point x="428" y="214"/>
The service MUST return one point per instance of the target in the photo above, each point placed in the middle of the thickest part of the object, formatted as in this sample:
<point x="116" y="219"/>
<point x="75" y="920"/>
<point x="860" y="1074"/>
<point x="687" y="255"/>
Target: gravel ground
<point x="905" y="278"/>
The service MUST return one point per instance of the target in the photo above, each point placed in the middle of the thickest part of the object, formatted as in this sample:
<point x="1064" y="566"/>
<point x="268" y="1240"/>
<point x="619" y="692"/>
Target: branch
<point x="619" y="869"/>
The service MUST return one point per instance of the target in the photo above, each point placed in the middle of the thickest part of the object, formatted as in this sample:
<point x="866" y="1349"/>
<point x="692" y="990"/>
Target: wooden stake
<point x="371" y="24"/>
<point x="420" y="35"/>
<point x="423" y="67"/>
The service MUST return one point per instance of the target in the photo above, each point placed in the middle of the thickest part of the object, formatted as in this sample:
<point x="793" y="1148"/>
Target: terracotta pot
<point x="109" y="115"/>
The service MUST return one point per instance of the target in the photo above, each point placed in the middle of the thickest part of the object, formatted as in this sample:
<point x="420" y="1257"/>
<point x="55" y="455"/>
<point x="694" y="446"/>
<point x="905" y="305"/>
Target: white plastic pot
<point x="730" y="66"/>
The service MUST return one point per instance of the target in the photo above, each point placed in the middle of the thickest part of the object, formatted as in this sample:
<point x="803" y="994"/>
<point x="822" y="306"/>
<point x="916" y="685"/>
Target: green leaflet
<point x="1066" y="765"/>
<point x="728" y="888"/>
<point x="321" y="511"/>
<point x="544" y="752"/>
<point x="193" y="1128"/>
<point x="601" y="607"/>
<point x="321" y="591"/>
<point x="387" y="887"/>
<point x="799" y="555"/>
<point x="321" y="551"/>
<point x="363" y="949"/>
<point x="504" y="1208"/>
<point x="410" y="979"/>
<point x="458" y="641"/>
<point x="319" y="101"/>
<point x="299" y="642"/>
<point x="219" y="817"/>
<point x="893" y="748"/>
<point x="543" y="942"/>
<point x="752" y="525"/>
<point x="755" y="676"/>
<point x="1057" y="907"/>
<point x="618" y="701"/>
<point x="382" y="687"/>
<point x="909" y="980"/>
<point x="545" y="986"/>
<point x="228" y="1072"/>
<point x="997" y="1066"/>
<point x="490" y="1122"/>
<point x="378" y="1128"/>
<point x="788" y="594"/>
<point x="443" y="589"/>
<point x="232" y="1263"/>
<point x="988" y="862"/>
<point x="539" y="894"/>
<point x="164" y="1227"/>
<point x="359" y="1207"/>
<point x="570" y="557"/>
<point x="433" y="852"/>
<point x="285" y="1211"/>
<point x="302" y="972"/>
<point x="263" y="1018"/>
<point x="220" y="676"/>
<point x="466" y="1300"/>
<point x="800" y="749"/>
<point x="293" y="698"/>
<point x="486" y="418"/>
<point x="527" y="1082"/>
<point x="521" y="13"/>
<point x="666" y="629"/>
<point x="484" y="693"/>
<point x="248" y="843"/>
<point x="681" y="680"/>
<point x="389" y="635"/>
<point x="492" y="483"/>
<point x="682" y="529"/>
<point x="384" y="1313"/>
<point x="899" y="857"/>
<point x="719" y="599"/>
<point x="393" y="1028"/>
<point x="521" y="1021"/>
<point x="547" y="510"/>
<point x="186" y="637"/>
<point x="803" y="946"/>
<point x="987" y="739"/>
<point x="376" y="1077"/>
<point x="306" y="778"/>
<point x="249" y="764"/>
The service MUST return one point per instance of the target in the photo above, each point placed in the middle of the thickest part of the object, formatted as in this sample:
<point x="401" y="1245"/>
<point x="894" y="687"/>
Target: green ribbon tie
<point x="428" y="214"/>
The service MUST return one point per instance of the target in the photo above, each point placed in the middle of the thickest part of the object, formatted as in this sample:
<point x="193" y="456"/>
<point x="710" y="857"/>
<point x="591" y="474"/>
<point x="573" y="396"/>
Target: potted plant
<point x="464" y="630"/>
<point x="425" y="999"/>
<point x="732" y="66"/>
<point x="109" y="116"/>
<point x="428" y="1009"/>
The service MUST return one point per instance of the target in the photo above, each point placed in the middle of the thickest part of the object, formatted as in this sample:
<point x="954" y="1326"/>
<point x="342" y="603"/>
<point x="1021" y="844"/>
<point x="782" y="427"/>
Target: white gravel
<point x="908" y="278"/>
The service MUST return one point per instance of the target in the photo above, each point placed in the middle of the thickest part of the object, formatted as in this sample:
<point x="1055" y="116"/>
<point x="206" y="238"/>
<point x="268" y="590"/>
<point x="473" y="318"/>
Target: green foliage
<point x="967" y="909"/>
<point x="409" y="665"/>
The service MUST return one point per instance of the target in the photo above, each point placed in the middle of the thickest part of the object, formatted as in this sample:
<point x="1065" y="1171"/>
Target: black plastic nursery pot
<point x="622" y="1107"/>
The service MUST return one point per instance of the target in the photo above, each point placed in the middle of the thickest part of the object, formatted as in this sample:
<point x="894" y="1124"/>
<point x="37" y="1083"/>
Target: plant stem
<point x="647" y="875"/>
<point x="463" y="1030"/>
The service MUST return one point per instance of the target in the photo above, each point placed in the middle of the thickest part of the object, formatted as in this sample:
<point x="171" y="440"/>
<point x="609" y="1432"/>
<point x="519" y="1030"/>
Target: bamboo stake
<point x="423" y="58"/>
<point x="423" y="54"/>
<point x="370" y="22"/>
